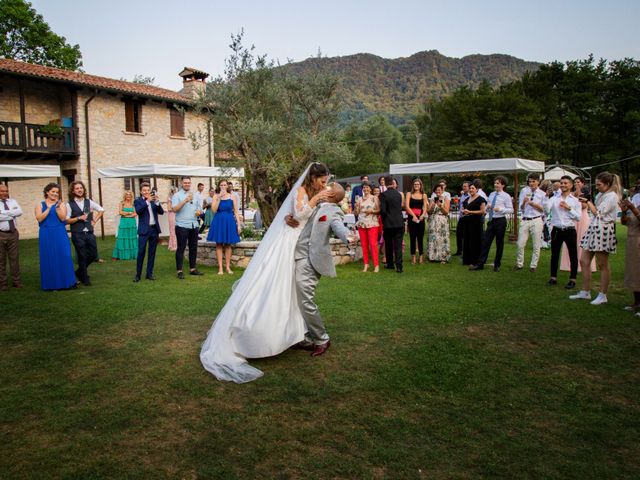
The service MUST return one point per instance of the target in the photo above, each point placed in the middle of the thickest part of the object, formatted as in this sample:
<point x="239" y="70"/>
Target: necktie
<point x="493" y="205"/>
<point x="12" y="225"/>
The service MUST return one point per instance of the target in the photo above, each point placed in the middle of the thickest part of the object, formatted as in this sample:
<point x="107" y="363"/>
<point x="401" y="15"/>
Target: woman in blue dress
<point x="56" y="263"/>
<point x="225" y="228"/>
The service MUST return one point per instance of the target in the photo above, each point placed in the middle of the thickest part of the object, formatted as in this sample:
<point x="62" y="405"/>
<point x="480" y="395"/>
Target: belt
<point x="564" y="228"/>
<point x="525" y="219"/>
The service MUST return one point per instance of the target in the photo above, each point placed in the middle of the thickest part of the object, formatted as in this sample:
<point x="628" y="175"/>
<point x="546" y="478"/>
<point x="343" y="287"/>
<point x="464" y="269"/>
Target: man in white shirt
<point x="531" y="203"/>
<point x="9" y="239"/>
<point x="82" y="214"/>
<point x="564" y="211"/>
<point x="499" y="205"/>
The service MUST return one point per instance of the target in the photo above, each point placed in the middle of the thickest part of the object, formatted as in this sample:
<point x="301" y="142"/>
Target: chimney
<point x="193" y="82"/>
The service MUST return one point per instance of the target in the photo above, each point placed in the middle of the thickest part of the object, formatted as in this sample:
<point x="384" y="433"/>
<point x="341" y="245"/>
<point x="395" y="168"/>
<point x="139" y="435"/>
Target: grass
<point x="435" y="373"/>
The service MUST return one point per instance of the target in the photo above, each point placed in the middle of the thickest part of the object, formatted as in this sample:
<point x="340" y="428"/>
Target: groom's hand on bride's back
<point x="292" y="222"/>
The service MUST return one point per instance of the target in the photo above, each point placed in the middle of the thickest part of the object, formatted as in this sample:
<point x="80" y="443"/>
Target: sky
<point x="157" y="38"/>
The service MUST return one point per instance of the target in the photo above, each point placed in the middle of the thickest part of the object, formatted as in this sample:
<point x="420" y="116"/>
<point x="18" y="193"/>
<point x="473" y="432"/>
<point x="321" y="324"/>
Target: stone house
<point x="85" y="122"/>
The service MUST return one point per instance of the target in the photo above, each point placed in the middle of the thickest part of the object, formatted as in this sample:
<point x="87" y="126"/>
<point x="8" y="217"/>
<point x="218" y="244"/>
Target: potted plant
<point x="50" y="131"/>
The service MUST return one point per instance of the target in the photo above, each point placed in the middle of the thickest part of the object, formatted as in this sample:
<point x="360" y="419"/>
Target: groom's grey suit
<point x="313" y="259"/>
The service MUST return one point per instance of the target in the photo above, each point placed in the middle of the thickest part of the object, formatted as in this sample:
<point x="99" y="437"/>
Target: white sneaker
<point x="581" y="295"/>
<point x="600" y="299"/>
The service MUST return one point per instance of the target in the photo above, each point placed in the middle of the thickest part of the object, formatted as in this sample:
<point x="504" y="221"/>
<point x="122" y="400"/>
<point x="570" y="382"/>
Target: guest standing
<point x="171" y="219"/>
<point x="600" y="238"/>
<point x="56" y="263"/>
<point x="126" y="247"/>
<point x="391" y="202"/>
<point x="499" y="204"/>
<point x="416" y="207"/>
<point x="464" y="195"/>
<point x="208" y="213"/>
<point x="357" y="192"/>
<point x="531" y="202"/>
<point x="9" y="239"/>
<point x="225" y="229"/>
<point x="188" y="208"/>
<point x="563" y="211"/>
<point x="631" y="218"/>
<point x="367" y="210"/>
<point x="439" y="248"/>
<point x="148" y="208"/>
<point x="473" y="211"/>
<point x="579" y="190"/>
<point x="82" y="214"/>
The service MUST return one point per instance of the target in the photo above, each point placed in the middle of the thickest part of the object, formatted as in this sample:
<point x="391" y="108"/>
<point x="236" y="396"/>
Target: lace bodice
<point x="301" y="208"/>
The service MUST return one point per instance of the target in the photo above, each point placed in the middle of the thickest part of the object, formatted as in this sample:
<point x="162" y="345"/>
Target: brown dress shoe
<point x="18" y="285"/>
<point x="320" y="349"/>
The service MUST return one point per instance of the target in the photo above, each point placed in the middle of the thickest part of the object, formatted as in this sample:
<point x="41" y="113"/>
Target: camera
<point x="585" y="192"/>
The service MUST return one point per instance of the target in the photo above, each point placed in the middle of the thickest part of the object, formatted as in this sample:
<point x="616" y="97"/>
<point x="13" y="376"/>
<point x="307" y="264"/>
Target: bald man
<point x="313" y="259"/>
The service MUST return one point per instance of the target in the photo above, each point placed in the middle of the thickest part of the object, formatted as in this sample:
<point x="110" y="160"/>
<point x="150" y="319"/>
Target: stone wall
<point x="243" y="252"/>
<point x="110" y="145"/>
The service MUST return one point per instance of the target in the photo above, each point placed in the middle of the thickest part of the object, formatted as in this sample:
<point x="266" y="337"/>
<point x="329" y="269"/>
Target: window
<point x="177" y="123"/>
<point x="133" y="116"/>
<point x="127" y="184"/>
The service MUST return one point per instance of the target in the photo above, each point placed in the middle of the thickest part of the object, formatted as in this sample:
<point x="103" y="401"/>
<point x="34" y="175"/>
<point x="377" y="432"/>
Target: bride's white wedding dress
<point x="261" y="317"/>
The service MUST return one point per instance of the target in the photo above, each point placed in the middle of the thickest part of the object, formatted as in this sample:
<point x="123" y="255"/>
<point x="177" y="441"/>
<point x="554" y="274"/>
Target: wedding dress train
<point x="261" y="317"/>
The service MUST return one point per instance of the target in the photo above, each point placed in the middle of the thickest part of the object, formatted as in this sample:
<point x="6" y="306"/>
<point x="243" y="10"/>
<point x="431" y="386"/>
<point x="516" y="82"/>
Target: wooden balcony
<point x="18" y="139"/>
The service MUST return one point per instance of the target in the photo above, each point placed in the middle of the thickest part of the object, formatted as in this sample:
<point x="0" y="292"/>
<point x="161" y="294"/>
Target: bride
<point x="261" y="317"/>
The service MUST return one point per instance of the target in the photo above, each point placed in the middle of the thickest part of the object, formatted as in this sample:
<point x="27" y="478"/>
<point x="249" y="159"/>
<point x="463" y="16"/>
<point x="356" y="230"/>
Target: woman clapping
<point x="367" y="210"/>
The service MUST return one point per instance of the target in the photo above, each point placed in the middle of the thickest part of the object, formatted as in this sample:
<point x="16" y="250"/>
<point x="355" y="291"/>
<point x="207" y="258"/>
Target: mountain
<point x="397" y="87"/>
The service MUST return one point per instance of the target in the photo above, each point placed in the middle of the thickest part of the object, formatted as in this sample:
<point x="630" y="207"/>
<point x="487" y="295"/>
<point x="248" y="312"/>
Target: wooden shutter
<point x="128" y="116"/>
<point x="177" y="123"/>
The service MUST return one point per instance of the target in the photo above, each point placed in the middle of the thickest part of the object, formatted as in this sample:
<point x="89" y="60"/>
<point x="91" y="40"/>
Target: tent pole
<point x="102" y="217"/>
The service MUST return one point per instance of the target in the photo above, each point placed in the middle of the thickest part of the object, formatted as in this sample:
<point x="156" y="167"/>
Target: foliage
<point x="24" y="35"/>
<point x="498" y="377"/>
<point x="397" y="87"/>
<point x="581" y="113"/>
<point x="248" y="232"/>
<point x="373" y="144"/>
<point x="276" y="121"/>
<point x="483" y="123"/>
<point x="50" y="130"/>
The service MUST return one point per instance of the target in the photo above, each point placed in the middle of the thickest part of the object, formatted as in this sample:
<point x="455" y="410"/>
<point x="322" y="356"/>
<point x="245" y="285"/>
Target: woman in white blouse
<point x="600" y="238"/>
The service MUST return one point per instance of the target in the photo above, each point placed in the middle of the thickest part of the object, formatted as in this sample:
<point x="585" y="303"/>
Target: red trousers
<point x="369" y="240"/>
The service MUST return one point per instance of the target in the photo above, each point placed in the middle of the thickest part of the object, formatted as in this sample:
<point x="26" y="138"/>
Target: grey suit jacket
<point x="315" y="236"/>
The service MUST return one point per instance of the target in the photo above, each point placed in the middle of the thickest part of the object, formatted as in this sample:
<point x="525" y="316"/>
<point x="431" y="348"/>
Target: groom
<point x="313" y="259"/>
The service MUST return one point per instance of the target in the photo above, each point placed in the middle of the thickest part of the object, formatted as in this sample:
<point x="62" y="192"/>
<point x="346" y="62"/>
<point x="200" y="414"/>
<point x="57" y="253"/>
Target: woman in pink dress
<point x="581" y="227"/>
<point x="171" y="217"/>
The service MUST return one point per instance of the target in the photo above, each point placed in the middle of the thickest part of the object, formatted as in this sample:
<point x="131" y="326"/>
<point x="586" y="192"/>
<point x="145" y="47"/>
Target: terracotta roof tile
<point x="91" y="81"/>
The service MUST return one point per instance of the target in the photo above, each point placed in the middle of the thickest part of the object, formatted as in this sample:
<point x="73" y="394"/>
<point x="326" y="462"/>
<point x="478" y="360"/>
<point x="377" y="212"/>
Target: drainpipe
<point x="86" y="126"/>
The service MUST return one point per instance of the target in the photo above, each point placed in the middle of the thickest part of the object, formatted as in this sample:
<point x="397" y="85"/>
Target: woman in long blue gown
<point x="56" y="263"/>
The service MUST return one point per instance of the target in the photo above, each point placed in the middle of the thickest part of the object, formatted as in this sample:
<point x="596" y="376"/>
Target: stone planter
<point x="243" y="252"/>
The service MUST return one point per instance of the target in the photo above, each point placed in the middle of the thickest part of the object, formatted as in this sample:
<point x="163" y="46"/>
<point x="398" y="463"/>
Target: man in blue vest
<point x="148" y="208"/>
<point x="82" y="214"/>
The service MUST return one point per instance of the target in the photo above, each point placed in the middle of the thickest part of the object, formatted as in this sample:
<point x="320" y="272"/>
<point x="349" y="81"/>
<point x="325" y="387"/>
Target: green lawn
<point x="435" y="373"/>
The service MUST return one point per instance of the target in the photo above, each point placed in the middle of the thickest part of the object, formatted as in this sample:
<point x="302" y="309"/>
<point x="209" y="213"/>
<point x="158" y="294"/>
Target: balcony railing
<point x="28" y="137"/>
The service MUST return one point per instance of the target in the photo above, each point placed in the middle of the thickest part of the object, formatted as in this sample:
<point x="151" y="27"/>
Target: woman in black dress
<point x="473" y="210"/>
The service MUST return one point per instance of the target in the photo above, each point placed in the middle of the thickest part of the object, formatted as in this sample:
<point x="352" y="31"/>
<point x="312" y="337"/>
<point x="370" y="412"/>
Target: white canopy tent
<point x="166" y="171"/>
<point x="18" y="172"/>
<point x="556" y="173"/>
<point x="493" y="165"/>
<point x="169" y="171"/>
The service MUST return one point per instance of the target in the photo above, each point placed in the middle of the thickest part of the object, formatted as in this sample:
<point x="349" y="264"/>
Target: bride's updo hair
<point x="316" y="170"/>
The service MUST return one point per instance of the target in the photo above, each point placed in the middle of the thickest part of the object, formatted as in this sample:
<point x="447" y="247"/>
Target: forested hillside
<point x="397" y="87"/>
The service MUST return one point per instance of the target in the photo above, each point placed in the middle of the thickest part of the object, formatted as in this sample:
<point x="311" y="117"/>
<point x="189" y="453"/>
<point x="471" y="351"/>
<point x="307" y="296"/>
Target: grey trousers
<point x="306" y="282"/>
